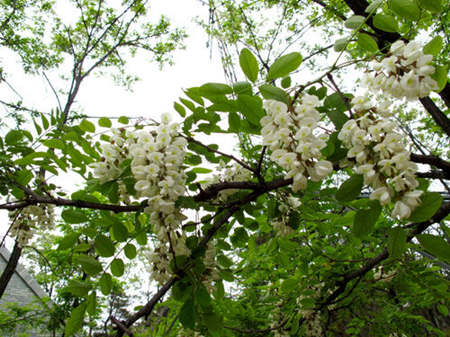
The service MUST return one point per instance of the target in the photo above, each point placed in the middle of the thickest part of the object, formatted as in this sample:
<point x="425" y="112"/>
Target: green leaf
<point x="341" y="44"/>
<point x="215" y="89"/>
<point x="435" y="245"/>
<point x="434" y="6"/>
<point x="350" y="189"/>
<point x="105" y="284"/>
<point x="89" y="264"/>
<point x="249" y="64"/>
<point x="141" y="238"/>
<point x="373" y="5"/>
<point x="434" y="46"/>
<point x="74" y="216"/>
<point x="123" y="120"/>
<point x="442" y="309"/>
<point x="365" y="219"/>
<point x="201" y="170"/>
<point x="130" y="251"/>
<point x="368" y="43"/>
<point x="396" y="244"/>
<point x="77" y="288"/>
<point x="251" y="107"/>
<point x="440" y="76"/>
<point x="284" y="65"/>
<point x="224" y="261"/>
<point x="87" y="126"/>
<point x="407" y="9"/>
<point x="13" y="136"/>
<point x="385" y="22"/>
<point x="92" y="303"/>
<point x="270" y="92"/>
<point x="430" y="203"/>
<point x="354" y="22"/>
<point x="24" y="177"/>
<point x="187" y="314"/>
<point x="68" y="241"/>
<point x="104" y="246"/>
<point x="286" y="82"/>
<point x="75" y="322"/>
<point x="234" y="122"/>
<point x="54" y="144"/>
<point x="45" y="123"/>
<point x="242" y="88"/>
<point x="104" y="122"/>
<point x="117" y="267"/>
<point x="213" y="321"/>
<point x="180" y="109"/>
<point x="119" y="231"/>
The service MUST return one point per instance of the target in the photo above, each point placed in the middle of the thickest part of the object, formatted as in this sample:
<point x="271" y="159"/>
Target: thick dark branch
<point x="434" y="174"/>
<point x="10" y="268"/>
<point x="431" y="160"/>
<point x="438" y="116"/>
<point x="37" y="199"/>
<point x="211" y="191"/>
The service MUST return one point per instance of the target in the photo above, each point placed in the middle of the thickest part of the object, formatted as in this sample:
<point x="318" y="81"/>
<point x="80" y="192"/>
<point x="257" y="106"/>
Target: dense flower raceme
<point x="404" y="72"/>
<point x="26" y="221"/>
<point x="295" y="140"/>
<point x="228" y="173"/>
<point x="156" y="164"/>
<point x="286" y="208"/>
<point x="381" y="157"/>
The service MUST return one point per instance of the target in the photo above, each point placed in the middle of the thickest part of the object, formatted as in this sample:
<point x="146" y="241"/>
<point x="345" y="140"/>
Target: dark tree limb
<point x="431" y="160"/>
<point x="10" y="268"/>
<point x="438" y="116"/>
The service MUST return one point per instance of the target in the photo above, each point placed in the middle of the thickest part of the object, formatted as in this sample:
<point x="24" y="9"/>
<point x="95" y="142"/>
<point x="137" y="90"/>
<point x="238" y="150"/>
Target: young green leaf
<point x="89" y="264"/>
<point x="440" y="76"/>
<point x="270" y="92"/>
<point x="87" y="126"/>
<point x="396" y="244"/>
<point x="117" y="267"/>
<point x="436" y="246"/>
<point x="213" y="89"/>
<point x="130" y="251"/>
<point x="68" y="241"/>
<point x="434" y="46"/>
<point x="74" y="216"/>
<point x="187" y="314"/>
<point x="368" y="43"/>
<point x="407" y="9"/>
<point x="341" y="44"/>
<point x="104" y="246"/>
<point x="105" y="284"/>
<point x="75" y="322"/>
<point x="354" y="22"/>
<point x="350" y="189"/>
<point x="284" y="65"/>
<point x="249" y="64"/>
<point x="104" y="122"/>
<point x="365" y="219"/>
<point x="434" y="6"/>
<point x="385" y="22"/>
<point x="119" y="231"/>
<point x="430" y="203"/>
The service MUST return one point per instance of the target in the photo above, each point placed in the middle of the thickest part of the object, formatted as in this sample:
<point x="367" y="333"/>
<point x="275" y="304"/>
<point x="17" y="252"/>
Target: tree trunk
<point x="10" y="268"/>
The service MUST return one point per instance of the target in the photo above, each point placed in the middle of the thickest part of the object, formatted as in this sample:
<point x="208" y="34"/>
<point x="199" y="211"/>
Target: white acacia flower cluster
<point x="381" y="157"/>
<point x="211" y="273"/>
<point x="281" y="225"/>
<point x="277" y="318"/>
<point x="27" y="220"/>
<point x="228" y="173"/>
<point x="295" y="140"/>
<point x="404" y="72"/>
<point x="156" y="164"/>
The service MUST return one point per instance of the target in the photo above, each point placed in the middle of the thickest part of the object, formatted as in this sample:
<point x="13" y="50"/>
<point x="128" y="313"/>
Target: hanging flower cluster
<point x="27" y="220"/>
<point x="281" y="223"/>
<point x="276" y="318"/>
<point x="211" y="273"/>
<point x="228" y="173"/>
<point x="295" y="141"/>
<point x="156" y="164"/>
<point x="404" y="72"/>
<point x="381" y="157"/>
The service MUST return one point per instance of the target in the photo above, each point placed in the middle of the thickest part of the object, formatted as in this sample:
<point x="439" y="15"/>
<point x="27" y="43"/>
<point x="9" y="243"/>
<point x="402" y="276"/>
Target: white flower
<point x="382" y="195"/>
<point x="401" y="211"/>
<point x="397" y="47"/>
